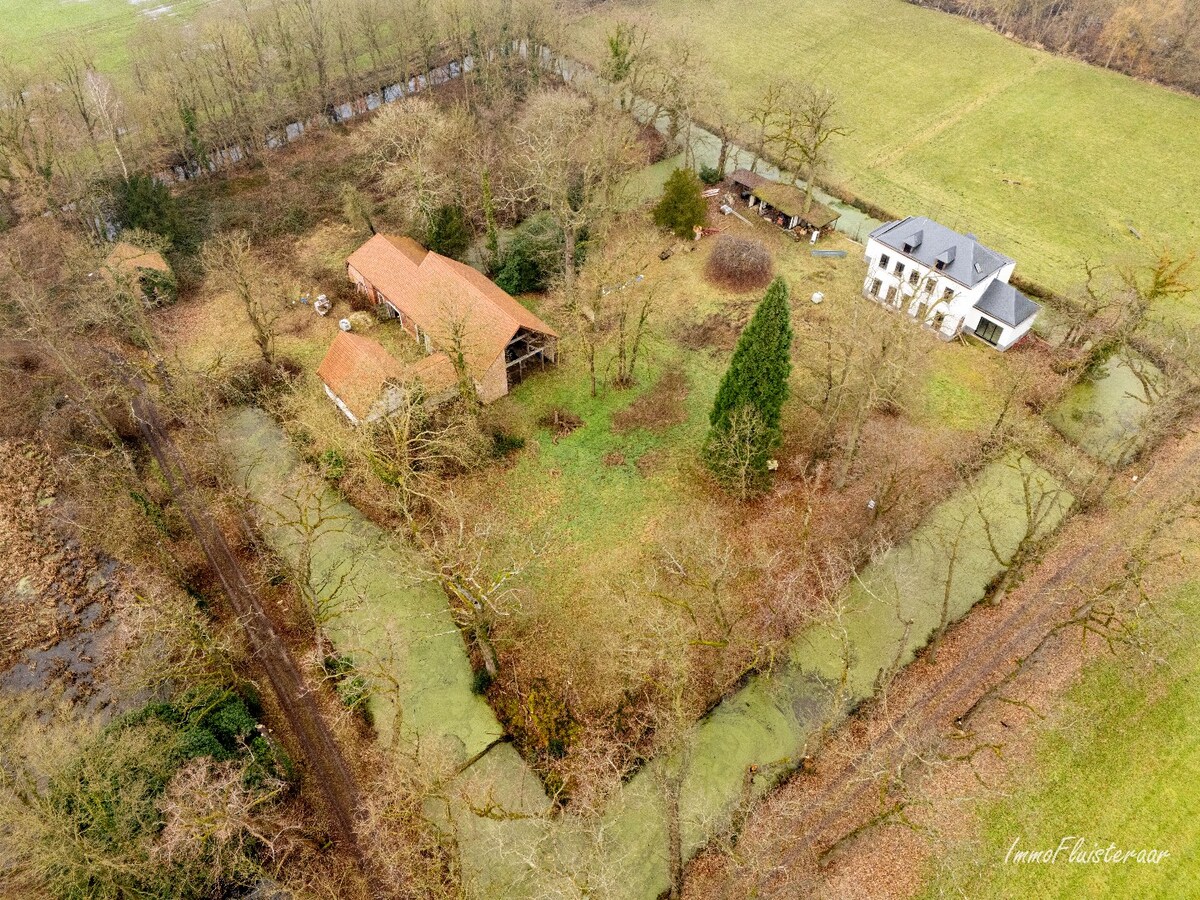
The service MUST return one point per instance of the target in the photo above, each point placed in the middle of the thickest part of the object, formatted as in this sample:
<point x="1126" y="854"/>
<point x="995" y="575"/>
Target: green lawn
<point x="1047" y="159"/>
<point x="28" y="27"/>
<point x="1118" y="766"/>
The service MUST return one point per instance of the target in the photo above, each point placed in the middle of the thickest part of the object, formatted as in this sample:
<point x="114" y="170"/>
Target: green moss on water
<point x="402" y="627"/>
<point x="1103" y="414"/>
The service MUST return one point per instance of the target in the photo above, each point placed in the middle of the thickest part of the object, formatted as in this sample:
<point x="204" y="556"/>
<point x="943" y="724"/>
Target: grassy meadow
<point x="1050" y="160"/>
<point x="28" y="27"/>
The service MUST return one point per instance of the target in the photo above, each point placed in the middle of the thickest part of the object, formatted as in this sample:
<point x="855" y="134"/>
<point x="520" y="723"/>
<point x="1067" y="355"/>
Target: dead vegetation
<point x="739" y="264"/>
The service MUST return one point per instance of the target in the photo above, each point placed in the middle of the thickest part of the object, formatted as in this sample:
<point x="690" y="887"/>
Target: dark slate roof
<point x="969" y="263"/>
<point x="1006" y="304"/>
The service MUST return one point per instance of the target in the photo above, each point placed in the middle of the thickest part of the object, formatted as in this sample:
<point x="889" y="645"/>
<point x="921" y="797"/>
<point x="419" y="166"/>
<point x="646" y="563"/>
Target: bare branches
<point x="229" y="262"/>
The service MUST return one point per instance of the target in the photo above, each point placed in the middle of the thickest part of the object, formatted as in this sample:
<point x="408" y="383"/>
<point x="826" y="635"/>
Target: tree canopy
<point x="682" y="206"/>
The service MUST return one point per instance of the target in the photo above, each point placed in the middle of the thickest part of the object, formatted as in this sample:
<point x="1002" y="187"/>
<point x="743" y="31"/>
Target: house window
<point x="948" y="294"/>
<point x="877" y="288"/>
<point x="899" y="267"/>
<point x="914" y="278"/>
<point x="989" y="331"/>
<point x="883" y="261"/>
<point x="891" y="294"/>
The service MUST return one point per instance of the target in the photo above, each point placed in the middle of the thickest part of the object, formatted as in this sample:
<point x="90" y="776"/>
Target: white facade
<point x="929" y="295"/>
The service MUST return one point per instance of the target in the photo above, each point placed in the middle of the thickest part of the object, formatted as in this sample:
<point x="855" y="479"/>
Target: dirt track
<point x="849" y="788"/>
<point x="330" y="775"/>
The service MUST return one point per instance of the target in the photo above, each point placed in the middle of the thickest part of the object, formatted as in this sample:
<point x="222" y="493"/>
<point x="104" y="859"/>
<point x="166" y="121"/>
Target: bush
<point x="350" y="686"/>
<point x="159" y="288"/>
<point x="739" y="264"/>
<point x="682" y="206"/>
<point x="333" y="464"/>
<point x="710" y="175"/>
<point x="97" y="832"/>
<point x="141" y="202"/>
<point x="449" y="233"/>
<point x="533" y="256"/>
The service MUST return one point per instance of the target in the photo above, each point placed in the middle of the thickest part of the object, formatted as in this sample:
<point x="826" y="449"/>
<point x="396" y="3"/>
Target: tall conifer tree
<point x="745" y="418"/>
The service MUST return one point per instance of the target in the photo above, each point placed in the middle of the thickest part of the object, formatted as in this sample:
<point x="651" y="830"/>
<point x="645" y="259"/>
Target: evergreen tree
<point x="682" y="206"/>
<point x="449" y="233"/>
<point x="146" y="204"/>
<point x="745" y="418"/>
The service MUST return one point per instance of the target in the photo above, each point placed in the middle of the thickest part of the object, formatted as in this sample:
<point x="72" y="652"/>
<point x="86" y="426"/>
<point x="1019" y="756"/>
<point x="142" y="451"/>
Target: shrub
<point x="533" y="256"/>
<point x="682" y="206"/>
<point x="98" y="828"/>
<point x="349" y="685"/>
<point x="159" y="288"/>
<point x="710" y="175"/>
<point x="449" y="233"/>
<point x="141" y="202"/>
<point x="333" y="464"/>
<point x="740" y="264"/>
<point x="505" y="442"/>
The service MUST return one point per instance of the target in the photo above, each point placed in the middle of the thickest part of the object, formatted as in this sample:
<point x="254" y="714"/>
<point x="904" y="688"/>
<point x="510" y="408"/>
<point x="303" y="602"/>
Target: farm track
<point x="331" y="776"/>
<point x="837" y="802"/>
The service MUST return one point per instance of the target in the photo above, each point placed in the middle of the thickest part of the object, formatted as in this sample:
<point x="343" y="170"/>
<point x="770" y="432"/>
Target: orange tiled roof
<point x="448" y="300"/>
<point x="356" y="368"/>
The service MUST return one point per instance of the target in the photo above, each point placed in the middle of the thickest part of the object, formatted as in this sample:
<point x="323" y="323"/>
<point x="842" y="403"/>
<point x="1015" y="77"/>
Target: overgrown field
<point x="1050" y="160"/>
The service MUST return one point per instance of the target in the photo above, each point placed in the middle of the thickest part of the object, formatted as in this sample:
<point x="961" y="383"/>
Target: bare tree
<point x="820" y="123"/>
<point x="229" y="262"/>
<point x="480" y="589"/>
<point x="310" y="513"/>
<point x="416" y="150"/>
<point x="412" y="448"/>
<point x="571" y="156"/>
<point x="612" y="306"/>
<point x="107" y="113"/>
<point x="1042" y="502"/>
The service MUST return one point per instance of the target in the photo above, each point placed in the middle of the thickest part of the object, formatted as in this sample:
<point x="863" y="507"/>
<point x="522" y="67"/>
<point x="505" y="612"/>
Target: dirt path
<point x="330" y="774"/>
<point x="851" y="787"/>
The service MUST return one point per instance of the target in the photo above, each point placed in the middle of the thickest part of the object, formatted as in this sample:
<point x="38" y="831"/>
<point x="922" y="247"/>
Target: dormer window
<point x="945" y="258"/>
<point x="913" y="242"/>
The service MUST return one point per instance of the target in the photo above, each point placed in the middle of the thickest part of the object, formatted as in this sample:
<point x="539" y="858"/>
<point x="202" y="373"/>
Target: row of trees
<point x="1157" y="39"/>
<point x="793" y="122"/>
<point x="238" y="70"/>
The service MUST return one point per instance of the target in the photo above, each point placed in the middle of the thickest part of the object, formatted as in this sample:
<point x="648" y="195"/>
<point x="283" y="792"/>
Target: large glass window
<point x="989" y="331"/>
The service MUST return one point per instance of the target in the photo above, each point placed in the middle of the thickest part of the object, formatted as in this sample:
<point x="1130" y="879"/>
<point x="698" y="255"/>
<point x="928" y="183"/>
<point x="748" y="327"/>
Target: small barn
<point x="782" y="203"/>
<point x="367" y="383"/>
<point x="144" y="272"/>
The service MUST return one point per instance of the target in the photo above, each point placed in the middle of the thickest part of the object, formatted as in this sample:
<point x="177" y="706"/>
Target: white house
<point x="947" y="281"/>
